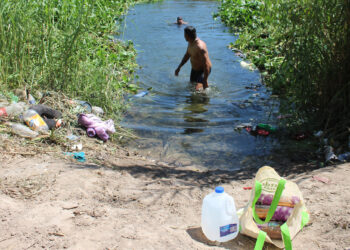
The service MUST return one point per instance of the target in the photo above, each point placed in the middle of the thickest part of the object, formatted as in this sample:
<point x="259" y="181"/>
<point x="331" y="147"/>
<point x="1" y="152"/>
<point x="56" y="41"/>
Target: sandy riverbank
<point x="128" y="202"/>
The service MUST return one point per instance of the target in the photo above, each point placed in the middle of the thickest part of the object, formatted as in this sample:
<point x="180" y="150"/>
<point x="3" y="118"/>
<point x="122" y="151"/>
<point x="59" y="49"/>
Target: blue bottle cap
<point x="219" y="190"/>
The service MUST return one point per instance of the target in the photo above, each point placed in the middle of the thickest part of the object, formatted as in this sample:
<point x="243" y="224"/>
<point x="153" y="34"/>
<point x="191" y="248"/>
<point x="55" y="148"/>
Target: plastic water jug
<point x="219" y="217"/>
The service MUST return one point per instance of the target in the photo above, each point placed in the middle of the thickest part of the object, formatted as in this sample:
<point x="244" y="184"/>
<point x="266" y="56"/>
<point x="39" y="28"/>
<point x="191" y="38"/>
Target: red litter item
<point x="321" y="179"/>
<point x="263" y="132"/>
<point x="300" y="137"/>
<point x="3" y="112"/>
<point x="247" y="188"/>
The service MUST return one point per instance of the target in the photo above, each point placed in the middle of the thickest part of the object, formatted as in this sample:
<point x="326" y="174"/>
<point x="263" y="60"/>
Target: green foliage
<point x="239" y="14"/>
<point x="68" y="46"/>
<point x="304" y="47"/>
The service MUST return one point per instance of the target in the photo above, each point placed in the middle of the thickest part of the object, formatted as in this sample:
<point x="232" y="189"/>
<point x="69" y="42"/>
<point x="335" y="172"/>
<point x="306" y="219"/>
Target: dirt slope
<point x="133" y="203"/>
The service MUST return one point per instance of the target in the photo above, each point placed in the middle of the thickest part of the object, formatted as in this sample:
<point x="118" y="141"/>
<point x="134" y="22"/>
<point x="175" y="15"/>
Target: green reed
<point x="303" y="47"/>
<point x="68" y="46"/>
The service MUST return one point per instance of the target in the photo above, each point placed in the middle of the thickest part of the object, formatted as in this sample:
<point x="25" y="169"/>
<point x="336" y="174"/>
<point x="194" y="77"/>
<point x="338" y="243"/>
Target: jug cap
<point x="219" y="190"/>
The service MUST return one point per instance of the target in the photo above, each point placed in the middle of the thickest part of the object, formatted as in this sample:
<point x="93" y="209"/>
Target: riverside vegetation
<point x="302" y="47"/>
<point x="67" y="46"/>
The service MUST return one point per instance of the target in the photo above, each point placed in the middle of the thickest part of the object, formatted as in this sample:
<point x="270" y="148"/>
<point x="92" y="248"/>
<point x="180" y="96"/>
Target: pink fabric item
<point x="96" y="126"/>
<point x="91" y="132"/>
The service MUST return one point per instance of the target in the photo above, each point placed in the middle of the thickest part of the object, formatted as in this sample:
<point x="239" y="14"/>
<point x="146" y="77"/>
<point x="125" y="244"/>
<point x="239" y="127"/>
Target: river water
<point x="177" y="125"/>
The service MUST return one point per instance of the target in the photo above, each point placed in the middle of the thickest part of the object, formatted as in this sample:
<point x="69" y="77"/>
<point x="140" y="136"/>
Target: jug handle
<point x="229" y="206"/>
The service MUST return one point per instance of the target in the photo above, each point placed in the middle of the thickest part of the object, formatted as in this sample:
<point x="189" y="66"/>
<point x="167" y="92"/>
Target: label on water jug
<point x="228" y="229"/>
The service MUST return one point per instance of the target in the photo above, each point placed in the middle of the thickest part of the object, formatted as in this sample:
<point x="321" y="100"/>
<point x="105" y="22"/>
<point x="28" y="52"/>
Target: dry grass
<point x="25" y="188"/>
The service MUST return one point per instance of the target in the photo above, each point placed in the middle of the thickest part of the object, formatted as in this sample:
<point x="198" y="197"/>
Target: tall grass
<point x="304" y="47"/>
<point x="68" y="46"/>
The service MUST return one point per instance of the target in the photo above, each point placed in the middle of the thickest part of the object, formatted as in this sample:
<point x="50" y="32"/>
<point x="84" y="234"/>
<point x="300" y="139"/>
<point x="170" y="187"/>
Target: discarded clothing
<point x="95" y="126"/>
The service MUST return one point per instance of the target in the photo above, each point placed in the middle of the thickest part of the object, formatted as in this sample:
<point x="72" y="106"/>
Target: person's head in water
<point x="180" y="21"/>
<point x="190" y="33"/>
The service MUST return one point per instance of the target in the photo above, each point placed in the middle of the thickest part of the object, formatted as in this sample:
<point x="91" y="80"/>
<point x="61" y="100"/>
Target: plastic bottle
<point x="329" y="154"/>
<point x="267" y="127"/>
<point x="219" y="217"/>
<point x="34" y="121"/>
<point x="23" y="131"/>
<point x="31" y="99"/>
<point x="141" y="94"/>
<point x="14" y="109"/>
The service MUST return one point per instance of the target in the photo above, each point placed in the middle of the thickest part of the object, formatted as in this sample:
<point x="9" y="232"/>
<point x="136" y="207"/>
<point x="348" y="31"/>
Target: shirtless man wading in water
<point x="201" y="65"/>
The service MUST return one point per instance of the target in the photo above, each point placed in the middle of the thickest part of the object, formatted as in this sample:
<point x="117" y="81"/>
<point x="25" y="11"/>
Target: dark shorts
<point x="197" y="76"/>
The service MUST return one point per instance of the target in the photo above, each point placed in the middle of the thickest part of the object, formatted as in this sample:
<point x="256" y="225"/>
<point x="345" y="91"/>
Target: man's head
<point x="190" y="33"/>
<point x="179" y="20"/>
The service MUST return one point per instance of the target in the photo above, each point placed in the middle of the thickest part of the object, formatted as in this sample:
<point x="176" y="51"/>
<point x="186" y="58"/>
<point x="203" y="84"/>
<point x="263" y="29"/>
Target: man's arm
<point x="206" y="74"/>
<point x="207" y="67"/>
<point x="183" y="61"/>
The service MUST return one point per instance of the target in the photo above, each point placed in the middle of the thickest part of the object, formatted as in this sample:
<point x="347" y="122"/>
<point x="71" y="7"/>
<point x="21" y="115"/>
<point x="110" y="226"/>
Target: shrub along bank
<point x="303" y="49"/>
<point x="67" y="46"/>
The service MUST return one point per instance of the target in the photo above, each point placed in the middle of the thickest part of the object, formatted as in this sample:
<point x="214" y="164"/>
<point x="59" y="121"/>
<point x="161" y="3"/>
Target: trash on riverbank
<point x="267" y="127"/>
<point x="247" y="65"/>
<point x="22" y="130"/>
<point x="95" y="126"/>
<point x="238" y="52"/>
<point x="14" y="109"/>
<point x="321" y="179"/>
<point x="79" y="156"/>
<point x="35" y="121"/>
<point x="300" y="136"/>
<point x="72" y="137"/>
<point x="97" y="111"/>
<point x="260" y="129"/>
<point x="344" y="157"/>
<point x="14" y="98"/>
<point x="31" y="99"/>
<point x="141" y="94"/>
<point x="49" y="115"/>
<point x="243" y="125"/>
<point x="329" y="154"/>
<point x="257" y="131"/>
<point x="81" y="106"/>
<point x="77" y="147"/>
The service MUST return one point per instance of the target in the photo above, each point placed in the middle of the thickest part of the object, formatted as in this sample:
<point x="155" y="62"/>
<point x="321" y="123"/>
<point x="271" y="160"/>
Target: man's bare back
<point x="198" y="53"/>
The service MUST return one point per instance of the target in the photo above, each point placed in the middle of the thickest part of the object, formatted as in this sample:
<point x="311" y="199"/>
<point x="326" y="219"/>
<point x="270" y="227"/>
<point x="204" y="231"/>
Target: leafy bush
<point x="239" y="14"/>
<point x="304" y="47"/>
<point x="68" y="46"/>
